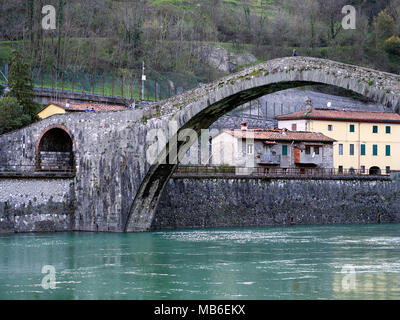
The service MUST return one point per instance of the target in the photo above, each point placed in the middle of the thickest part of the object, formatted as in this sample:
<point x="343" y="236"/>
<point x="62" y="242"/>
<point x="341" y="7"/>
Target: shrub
<point x="11" y="115"/>
<point x="392" y="45"/>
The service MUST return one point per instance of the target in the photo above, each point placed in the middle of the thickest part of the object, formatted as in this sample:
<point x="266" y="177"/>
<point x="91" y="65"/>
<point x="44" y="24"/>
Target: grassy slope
<point x="254" y="5"/>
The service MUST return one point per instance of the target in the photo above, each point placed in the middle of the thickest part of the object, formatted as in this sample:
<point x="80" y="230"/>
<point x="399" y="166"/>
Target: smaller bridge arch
<point x="55" y="149"/>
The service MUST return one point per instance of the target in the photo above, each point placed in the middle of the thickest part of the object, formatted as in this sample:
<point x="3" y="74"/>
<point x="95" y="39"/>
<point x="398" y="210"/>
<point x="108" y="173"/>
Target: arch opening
<point x="374" y="171"/>
<point x="55" y="151"/>
<point x="235" y="90"/>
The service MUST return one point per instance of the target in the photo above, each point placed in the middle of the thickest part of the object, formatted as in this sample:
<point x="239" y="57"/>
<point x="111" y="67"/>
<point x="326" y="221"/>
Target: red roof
<point x="280" y="135"/>
<point x="83" y="106"/>
<point x="342" y="115"/>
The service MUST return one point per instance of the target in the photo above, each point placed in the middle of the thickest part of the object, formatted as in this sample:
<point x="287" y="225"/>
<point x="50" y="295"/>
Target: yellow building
<point x="63" y="107"/>
<point x="366" y="141"/>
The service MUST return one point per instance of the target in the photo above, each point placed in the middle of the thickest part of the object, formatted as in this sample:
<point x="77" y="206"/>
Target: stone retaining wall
<point x="48" y="205"/>
<point x="200" y="203"/>
<point x="36" y="205"/>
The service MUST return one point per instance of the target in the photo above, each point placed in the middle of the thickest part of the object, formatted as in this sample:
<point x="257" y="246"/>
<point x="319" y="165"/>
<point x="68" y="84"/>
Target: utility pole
<point x="143" y="80"/>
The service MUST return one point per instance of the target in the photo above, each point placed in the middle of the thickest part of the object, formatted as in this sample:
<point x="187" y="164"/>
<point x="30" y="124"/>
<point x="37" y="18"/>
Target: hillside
<point x="105" y="37"/>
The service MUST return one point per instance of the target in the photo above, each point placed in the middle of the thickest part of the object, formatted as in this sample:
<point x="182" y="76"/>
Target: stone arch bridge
<point x="116" y="189"/>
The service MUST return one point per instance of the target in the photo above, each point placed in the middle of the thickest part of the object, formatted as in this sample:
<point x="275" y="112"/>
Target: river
<point x="297" y="262"/>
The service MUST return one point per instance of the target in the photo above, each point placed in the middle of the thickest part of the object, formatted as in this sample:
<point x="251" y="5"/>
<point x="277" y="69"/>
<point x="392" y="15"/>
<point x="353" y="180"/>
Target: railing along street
<point x="260" y="171"/>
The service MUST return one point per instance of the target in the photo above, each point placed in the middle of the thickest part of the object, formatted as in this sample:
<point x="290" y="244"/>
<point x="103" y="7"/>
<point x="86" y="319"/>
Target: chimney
<point x="244" y="126"/>
<point x="308" y="104"/>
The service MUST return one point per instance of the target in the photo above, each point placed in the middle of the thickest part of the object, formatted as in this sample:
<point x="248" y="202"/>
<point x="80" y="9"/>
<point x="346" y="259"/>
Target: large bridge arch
<point x="199" y="108"/>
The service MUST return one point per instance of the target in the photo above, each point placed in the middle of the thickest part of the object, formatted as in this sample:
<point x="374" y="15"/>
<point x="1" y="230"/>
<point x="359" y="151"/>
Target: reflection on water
<point x="302" y="262"/>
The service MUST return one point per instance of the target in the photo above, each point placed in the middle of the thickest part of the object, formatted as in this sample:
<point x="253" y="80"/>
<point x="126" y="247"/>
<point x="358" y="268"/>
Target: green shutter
<point x="284" y="150"/>
<point x="375" y="150"/>
<point x="388" y="129"/>
<point x="352" y="149"/>
<point x="375" y="129"/>
<point x="363" y="153"/>
<point x="388" y="151"/>
<point x="352" y="128"/>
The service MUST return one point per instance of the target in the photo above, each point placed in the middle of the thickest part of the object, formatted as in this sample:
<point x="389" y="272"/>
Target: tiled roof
<point x="83" y="106"/>
<point x="342" y="115"/>
<point x="280" y="135"/>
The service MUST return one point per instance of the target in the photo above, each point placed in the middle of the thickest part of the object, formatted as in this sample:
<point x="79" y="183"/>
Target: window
<point x="340" y="149"/>
<point x="284" y="150"/>
<point x="316" y="150"/>
<point x="388" y="151"/>
<point x="340" y="169"/>
<point x="330" y="127"/>
<point x="362" y="169"/>
<point x="363" y="152"/>
<point x="375" y="150"/>
<point x="388" y="129"/>
<point x="250" y="148"/>
<point x="375" y="129"/>
<point x="388" y="171"/>
<point x="294" y="127"/>
<point x="352" y="149"/>
<point x="308" y="150"/>
<point x="352" y="128"/>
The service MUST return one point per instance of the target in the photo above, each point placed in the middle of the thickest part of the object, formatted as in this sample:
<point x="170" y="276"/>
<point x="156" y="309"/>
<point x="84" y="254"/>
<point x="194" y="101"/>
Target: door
<point x="296" y="155"/>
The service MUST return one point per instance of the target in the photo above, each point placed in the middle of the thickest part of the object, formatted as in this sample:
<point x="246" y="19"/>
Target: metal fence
<point x="110" y="85"/>
<point x="29" y="169"/>
<point x="265" y="172"/>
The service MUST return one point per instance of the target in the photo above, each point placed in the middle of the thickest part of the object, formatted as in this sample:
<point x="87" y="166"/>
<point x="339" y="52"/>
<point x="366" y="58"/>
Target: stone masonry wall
<point x="109" y="162"/>
<point x="36" y="205"/>
<point x="199" y="203"/>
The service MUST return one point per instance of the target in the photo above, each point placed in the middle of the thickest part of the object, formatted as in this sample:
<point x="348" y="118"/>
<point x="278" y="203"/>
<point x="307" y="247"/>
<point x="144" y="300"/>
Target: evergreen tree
<point x="21" y="86"/>
<point x="11" y="115"/>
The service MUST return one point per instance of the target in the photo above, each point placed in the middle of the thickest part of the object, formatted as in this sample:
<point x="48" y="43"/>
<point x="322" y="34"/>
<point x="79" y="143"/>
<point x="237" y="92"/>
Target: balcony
<point x="269" y="159"/>
<point x="308" y="159"/>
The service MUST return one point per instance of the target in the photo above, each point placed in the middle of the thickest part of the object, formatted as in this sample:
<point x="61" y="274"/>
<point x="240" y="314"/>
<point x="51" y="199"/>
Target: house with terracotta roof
<point x="64" y="107"/>
<point x="366" y="141"/>
<point x="273" y="148"/>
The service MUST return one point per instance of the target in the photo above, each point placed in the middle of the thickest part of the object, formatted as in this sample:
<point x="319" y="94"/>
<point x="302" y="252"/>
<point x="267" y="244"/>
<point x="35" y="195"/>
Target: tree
<point x="21" y="86"/>
<point x="392" y="46"/>
<point x="331" y="11"/>
<point x="384" y="26"/>
<point x="11" y="115"/>
<point x="60" y="21"/>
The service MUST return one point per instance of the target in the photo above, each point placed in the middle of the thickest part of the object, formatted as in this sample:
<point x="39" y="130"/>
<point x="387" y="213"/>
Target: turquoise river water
<point x="299" y="262"/>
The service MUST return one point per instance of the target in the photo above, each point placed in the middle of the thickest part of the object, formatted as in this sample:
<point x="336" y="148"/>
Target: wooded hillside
<point x="116" y="36"/>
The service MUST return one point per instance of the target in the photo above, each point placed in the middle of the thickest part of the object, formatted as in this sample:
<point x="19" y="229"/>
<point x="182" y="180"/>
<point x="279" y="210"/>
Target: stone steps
<point x="55" y="161"/>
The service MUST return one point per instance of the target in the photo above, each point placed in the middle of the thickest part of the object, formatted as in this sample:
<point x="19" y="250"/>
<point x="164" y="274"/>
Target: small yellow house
<point x="49" y="110"/>
<point x="63" y="107"/>
<point x="366" y="141"/>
